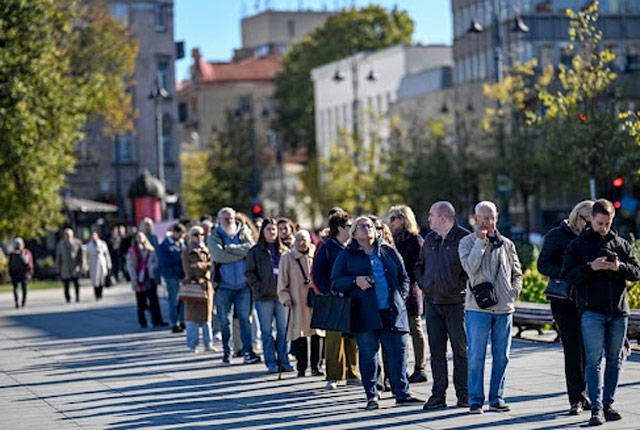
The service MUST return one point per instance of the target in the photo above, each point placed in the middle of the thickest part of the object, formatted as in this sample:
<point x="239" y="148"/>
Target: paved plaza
<point x="88" y="365"/>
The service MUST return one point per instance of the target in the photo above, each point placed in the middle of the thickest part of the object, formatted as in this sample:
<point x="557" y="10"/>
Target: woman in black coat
<point x="565" y="312"/>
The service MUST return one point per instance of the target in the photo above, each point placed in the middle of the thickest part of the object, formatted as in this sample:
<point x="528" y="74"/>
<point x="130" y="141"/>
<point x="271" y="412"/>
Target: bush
<point x="533" y="286"/>
<point x="4" y="267"/>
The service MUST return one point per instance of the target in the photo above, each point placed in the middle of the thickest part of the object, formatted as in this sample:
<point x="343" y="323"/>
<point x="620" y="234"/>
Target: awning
<point x="74" y="204"/>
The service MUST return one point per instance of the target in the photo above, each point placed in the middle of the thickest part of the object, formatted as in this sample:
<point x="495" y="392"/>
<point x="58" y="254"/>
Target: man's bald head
<point x="442" y="216"/>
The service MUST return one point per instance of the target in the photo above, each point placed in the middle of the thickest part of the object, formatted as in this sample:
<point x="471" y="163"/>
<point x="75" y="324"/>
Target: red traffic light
<point x="618" y="182"/>
<point x="617" y="204"/>
<point x="257" y="209"/>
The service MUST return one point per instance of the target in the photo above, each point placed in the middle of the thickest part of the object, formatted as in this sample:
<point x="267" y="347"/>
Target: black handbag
<point x="485" y="295"/>
<point x="332" y="312"/>
<point x="557" y="289"/>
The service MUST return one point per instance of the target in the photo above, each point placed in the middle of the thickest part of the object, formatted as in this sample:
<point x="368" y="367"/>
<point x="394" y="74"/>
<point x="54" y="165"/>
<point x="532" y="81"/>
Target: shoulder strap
<point x="304" y="275"/>
<point x="221" y="238"/>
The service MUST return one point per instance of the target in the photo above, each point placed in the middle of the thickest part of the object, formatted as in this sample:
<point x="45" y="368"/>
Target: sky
<point x="214" y="25"/>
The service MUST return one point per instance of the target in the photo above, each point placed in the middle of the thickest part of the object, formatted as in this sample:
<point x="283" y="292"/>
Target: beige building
<point x="272" y="31"/>
<point x="107" y="166"/>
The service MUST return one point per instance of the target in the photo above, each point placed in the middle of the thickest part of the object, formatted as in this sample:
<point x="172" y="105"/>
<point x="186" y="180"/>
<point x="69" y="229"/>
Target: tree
<point x="581" y="116"/>
<point x="226" y="180"/>
<point x="524" y="157"/>
<point x="196" y="178"/>
<point x="343" y="34"/>
<point x="51" y="85"/>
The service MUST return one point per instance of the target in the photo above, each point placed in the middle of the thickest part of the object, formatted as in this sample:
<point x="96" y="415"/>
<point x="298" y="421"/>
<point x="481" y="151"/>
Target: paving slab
<point x="88" y="365"/>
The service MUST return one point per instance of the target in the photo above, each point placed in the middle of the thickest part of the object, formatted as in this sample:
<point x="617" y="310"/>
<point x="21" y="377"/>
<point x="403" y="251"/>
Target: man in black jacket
<point x="599" y="263"/>
<point x="443" y="279"/>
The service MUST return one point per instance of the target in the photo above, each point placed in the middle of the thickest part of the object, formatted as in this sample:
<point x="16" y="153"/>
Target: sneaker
<point x="316" y="372"/>
<point x="408" y="400"/>
<point x="226" y="358"/>
<point x="288" y="368"/>
<point x="586" y="405"/>
<point x="611" y="414"/>
<point x="331" y="385"/>
<point x="435" y="402"/>
<point x="463" y="401"/>
<point x="193" y="350"/>
<point x="372" y="404"/>
<point x="251" y="359"/>
<point x="211" y="348"/>
<point x="597" y="417"/>
<point x="301" y="373"/>
<point x="476" y="410"/>
<point x="418" y="376"/>
<point x="272" y="369"/>
<point x="576" y="409"/>
<point x="499" y="406"/>
<point x="355" y="382"/>
<point x="176" y="329"/>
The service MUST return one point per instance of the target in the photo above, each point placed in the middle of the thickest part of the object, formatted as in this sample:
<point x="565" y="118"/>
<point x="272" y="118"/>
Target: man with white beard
<point x="229" y="244"/>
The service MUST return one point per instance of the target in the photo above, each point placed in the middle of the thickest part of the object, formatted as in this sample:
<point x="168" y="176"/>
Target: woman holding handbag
<point x="565" y="312"/>
<point x="196" y="261"/>
<point x="262" y="275"/>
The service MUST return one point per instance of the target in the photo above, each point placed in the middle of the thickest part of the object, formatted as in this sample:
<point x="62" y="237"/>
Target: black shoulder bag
<point x="485" y="292"/>
<point x="216" y="266"/>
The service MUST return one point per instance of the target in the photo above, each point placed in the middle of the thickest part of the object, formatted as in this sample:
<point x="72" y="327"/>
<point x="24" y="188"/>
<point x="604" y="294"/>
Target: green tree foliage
<point x="49" y="87"/>
<point x="226" y="180"/>
<point x="580" y="114"/>
<point x="343" y="34"/>
<point x="196" y="178"/>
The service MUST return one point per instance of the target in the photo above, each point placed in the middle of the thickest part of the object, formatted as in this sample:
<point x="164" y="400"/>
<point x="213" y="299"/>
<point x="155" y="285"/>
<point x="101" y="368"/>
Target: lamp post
<point x="158" y="95"/>
<point x="503" y="187"/>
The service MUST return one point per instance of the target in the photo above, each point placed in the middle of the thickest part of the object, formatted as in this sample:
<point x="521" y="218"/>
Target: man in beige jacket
<point x="495" y="281"/>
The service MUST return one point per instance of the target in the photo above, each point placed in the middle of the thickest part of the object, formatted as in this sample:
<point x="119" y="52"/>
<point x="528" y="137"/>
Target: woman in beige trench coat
<point x="294" y="281"/>
<point x="196" y="261"/>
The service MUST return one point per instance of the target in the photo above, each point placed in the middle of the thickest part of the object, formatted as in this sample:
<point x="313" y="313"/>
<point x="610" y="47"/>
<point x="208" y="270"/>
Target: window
<point x="120" y="12"/>
<point x="544" y="7"/>
<point x="291" y="24"/>
<point x="160" y="13"/>
<point x="566" y="55"/>
<point x="546" y="56"/>
<point x="124" y="148"/>
<point x="244" y="104"/>
<point x="163" y="75"/>
<point x="633" y="57"/>
<point x="167" y="141"/>
<point x="183" y="112"/>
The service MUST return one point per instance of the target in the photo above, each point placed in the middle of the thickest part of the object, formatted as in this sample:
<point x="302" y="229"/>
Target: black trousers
<point x="148" y="299"/>
<point x="66" y="282"/>
<point x="97" y="292"/>
<point x="22" y="282"/>
<point x="567" y="318"/>
<point x="447" y="322"/>
<point x="302" y="353"/>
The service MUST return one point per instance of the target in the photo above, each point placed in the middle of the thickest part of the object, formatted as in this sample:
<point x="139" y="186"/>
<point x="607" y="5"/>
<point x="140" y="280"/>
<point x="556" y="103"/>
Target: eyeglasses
<point x="228" y="219"/>
<point x="584" y="218"/>
<point x="348" y="225"/>
<point x="196" y="234"/>
<point x="392" y="218"/>
<point x="365" y="227"/>
<point x="380" y="228"/>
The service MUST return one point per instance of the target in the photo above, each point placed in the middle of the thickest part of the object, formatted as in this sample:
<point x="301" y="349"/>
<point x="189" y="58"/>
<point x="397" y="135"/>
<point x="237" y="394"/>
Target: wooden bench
<point x="536" y="316"/>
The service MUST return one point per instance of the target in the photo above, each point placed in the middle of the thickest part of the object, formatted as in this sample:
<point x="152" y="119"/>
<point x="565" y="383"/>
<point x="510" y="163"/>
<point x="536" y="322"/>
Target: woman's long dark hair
<point x="267" y="222"/>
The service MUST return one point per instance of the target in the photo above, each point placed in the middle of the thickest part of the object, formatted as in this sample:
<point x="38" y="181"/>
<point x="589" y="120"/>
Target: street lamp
<point x="496" y="32"/>
<point x="158" y="95"/>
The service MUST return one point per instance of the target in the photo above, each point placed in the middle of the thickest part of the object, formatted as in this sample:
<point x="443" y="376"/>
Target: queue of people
<point x="464" y="283"/>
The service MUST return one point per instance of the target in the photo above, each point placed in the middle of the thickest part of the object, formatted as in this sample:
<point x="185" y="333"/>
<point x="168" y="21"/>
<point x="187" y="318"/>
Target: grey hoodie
<point x="498" y="264"/>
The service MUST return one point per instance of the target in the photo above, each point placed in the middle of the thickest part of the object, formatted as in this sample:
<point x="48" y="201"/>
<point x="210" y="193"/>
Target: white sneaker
<point x="211" y="348"/>
<point x="331" y="385"/>
<point x="193" y="350"/>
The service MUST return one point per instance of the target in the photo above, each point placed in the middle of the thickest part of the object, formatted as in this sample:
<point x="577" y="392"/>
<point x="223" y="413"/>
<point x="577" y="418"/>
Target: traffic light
<point x="256" y="209"/>
<point x="616" y="192"/>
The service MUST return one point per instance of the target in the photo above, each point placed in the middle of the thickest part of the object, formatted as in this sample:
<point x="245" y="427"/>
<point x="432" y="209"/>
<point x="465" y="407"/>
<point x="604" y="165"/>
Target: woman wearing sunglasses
<point x="371" y="272"/>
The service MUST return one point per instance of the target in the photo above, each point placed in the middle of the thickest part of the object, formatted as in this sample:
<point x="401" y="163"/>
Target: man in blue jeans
<point x="598" y="264"/>
<point x="495" y="282"/>
<point x="170" y="258"/>
<point x="229" y="244"/>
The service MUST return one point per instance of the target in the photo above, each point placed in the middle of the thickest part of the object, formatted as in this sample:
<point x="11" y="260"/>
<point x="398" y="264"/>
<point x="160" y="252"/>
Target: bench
<point x="535" y="316"/>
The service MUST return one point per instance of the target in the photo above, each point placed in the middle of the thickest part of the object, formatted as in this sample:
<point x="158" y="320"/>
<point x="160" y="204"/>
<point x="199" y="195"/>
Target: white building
<point x="379" y="77"/>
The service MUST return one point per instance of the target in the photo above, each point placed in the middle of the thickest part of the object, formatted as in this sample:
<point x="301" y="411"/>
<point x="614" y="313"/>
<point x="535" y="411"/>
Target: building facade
<point x="376" y="78"/>
<point x="107" y="166"/>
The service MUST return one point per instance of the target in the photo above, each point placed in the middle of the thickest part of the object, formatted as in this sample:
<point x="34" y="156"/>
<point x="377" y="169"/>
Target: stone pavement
<point x="88" y="365"/>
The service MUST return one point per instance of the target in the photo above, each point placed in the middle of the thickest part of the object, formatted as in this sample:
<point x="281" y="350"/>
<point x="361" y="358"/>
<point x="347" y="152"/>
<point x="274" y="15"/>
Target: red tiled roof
<point x="249" y="69"/>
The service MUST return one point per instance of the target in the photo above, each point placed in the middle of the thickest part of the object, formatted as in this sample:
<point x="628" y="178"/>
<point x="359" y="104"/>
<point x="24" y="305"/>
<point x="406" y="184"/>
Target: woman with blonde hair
<point x="196" y="262"/>
<point x="565" y="312"/>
